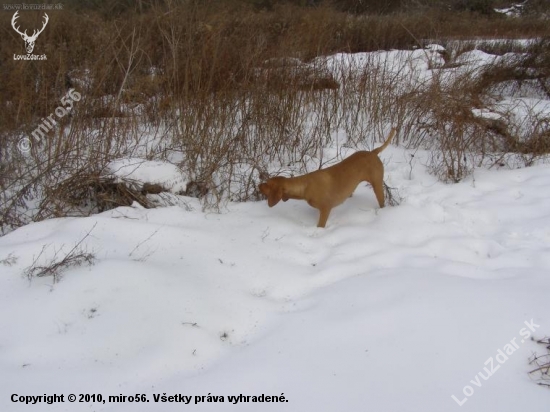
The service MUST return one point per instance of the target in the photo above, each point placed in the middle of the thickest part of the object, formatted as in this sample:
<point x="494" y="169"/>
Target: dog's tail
<point x="386" y="143"/>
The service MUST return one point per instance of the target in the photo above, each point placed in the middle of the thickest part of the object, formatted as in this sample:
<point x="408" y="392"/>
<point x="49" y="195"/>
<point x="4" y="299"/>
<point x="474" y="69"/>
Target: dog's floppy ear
<point x="275" y="196"/>
<point x="273" y="191"/>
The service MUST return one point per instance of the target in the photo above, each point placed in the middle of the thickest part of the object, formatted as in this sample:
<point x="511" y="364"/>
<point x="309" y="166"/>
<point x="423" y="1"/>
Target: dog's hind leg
<point x="378" y="188"/>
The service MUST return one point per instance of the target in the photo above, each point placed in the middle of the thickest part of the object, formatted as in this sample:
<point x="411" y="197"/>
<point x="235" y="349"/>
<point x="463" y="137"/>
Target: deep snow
<point x="392" y="309"/>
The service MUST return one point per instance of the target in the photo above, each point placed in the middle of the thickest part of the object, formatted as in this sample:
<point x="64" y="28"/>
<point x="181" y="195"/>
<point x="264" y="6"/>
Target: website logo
<point x="29" y="40"/>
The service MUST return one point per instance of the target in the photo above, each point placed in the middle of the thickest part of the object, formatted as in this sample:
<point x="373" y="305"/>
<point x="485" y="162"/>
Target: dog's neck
<point x="296" y="189"/>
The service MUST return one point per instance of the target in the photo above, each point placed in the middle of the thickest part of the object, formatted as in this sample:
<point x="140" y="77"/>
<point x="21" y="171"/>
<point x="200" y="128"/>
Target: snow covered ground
<point x="426" y="306"/>
<point x="392" y="309"/>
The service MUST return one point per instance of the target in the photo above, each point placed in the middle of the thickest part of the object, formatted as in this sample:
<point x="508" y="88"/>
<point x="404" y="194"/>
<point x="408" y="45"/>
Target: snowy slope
<point x="392" y="309"/>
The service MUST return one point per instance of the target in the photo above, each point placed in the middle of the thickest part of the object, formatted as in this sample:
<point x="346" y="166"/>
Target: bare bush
<point x="77" y="256"/>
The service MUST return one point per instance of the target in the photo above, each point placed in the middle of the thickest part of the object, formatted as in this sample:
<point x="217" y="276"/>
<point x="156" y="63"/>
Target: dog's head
<point x="274" y="190"/>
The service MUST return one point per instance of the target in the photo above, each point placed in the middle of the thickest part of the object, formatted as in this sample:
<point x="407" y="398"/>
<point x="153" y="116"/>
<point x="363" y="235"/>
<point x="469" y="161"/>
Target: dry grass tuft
<point x="541" y="364"/>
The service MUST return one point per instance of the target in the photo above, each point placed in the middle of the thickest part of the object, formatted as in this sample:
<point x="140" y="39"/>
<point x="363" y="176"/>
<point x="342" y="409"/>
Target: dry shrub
<point x="531" y="67"/>
<point x="447" y="125"/>
<point x="86" y="192"/>
<point x="461" y="139"/>
<point x="291" y="73"/>
<point x="527" y="74"/>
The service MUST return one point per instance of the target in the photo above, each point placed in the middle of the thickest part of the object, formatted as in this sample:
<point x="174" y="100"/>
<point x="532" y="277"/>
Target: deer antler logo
<point x="29" y="40"/>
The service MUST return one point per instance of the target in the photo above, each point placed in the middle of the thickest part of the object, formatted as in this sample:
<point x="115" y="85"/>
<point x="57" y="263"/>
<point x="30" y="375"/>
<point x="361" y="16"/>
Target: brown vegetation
<point x="209" y="83"/>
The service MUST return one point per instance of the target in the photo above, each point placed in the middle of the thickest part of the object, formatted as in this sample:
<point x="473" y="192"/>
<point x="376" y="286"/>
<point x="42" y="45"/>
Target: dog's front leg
<point x="323" y="217"/>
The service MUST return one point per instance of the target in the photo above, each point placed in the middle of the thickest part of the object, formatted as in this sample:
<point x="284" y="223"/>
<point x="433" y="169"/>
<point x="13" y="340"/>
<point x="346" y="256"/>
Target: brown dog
<point x="327" y="188"/>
